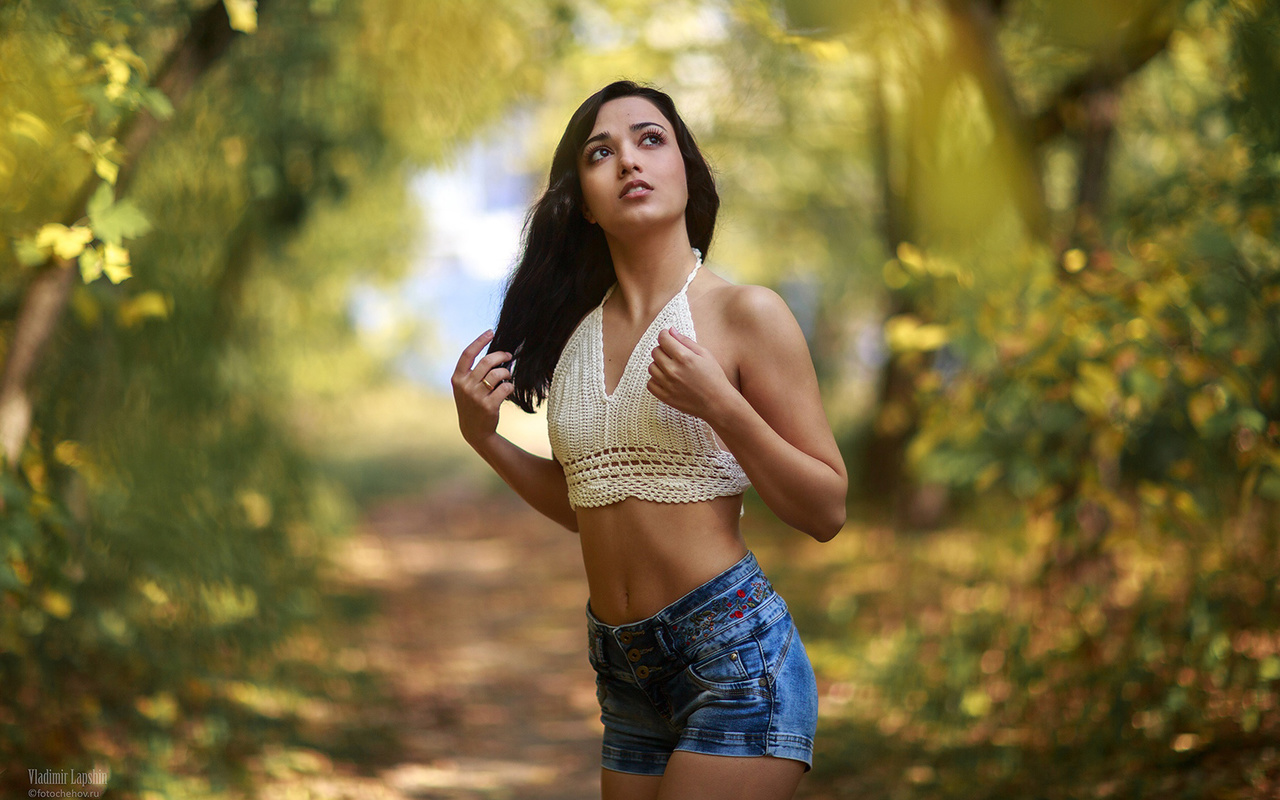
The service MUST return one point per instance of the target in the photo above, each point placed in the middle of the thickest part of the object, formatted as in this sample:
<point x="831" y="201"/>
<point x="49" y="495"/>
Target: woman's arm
<point x="774" y="424"/>
<point x="539" y="481"/>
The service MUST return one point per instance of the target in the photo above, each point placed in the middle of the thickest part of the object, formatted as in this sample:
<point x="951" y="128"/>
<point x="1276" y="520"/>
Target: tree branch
<point x="1150" y="37"/>
<point x="977" y="49"/>
<point x="46" y="296"/>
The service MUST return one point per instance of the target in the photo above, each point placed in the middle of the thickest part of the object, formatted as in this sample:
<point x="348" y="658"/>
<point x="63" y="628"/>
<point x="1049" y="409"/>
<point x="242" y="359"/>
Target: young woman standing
<point x="669" y="391"/>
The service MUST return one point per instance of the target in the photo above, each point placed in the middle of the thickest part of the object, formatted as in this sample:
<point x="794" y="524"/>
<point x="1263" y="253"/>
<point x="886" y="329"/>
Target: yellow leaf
<point x="1200" y="408"/>
<point x="1184" y="502"/>
<point x="895" y="277"/>
<point x="152" y="591"/>
<point x="257" y="507"/>
<point x="243" y="14"/>
<point x="1096" y="389"/>
<point x="20" y="571"/>
<point x="148" y="305"/>
<point x="910" y="255"/>
<point x="69" y="453"/>
<point x="906" y="332"/>
<point x="162" y="707"/>
<point x="66" y="242"/>
<point x="831" y="50"/>
<point x="976" y="703"/>
<point x="125" y="53"/>
<point x="116" y="263"/>
<point x="1269" y="669"/>
<point x="118" y="72"/>
<point x="106" y="170"/>
<point x="90" y="265"/>
<point x="56" y="604"/>
<point x="1074" y="260"/>
<point x="29" y="125"/>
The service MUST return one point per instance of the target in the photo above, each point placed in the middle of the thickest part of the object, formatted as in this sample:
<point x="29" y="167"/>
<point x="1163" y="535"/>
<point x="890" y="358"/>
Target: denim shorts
<point x="720" y="671"/>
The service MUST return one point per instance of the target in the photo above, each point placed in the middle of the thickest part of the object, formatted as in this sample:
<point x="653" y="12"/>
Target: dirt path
<point x="481" y="637"/>
<point x="483" y="633"/>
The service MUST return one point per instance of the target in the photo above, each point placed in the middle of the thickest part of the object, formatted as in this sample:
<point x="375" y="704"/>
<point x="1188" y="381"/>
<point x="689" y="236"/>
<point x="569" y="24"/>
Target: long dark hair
<point x="565" y="267"/>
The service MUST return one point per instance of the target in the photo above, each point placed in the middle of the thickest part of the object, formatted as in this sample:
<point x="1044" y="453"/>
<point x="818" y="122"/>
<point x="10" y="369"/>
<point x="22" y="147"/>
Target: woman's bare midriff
<point x="642" y="556"/>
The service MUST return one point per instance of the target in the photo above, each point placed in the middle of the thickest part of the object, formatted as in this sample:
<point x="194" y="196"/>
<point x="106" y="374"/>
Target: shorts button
<point x="633" y="655"/>
<point x="642" y="672"/>
<point x="625" y="638"/>
<point x="733" y="656"/>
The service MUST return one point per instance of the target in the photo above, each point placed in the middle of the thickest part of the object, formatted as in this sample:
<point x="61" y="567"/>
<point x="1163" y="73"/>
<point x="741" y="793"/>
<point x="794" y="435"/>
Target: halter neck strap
<point x="697" y="266"/>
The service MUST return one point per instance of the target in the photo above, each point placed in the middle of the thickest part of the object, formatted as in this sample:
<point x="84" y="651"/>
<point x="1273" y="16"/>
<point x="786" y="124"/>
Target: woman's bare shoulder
<point x="746" y="306"/>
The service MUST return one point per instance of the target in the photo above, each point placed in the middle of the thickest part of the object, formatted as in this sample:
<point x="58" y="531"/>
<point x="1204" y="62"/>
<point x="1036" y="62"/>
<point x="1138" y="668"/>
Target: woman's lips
<point x="635" y="188"/>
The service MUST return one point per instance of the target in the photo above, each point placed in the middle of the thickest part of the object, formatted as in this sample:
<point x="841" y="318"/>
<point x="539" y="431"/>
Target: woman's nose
<point x="627" y="162"/>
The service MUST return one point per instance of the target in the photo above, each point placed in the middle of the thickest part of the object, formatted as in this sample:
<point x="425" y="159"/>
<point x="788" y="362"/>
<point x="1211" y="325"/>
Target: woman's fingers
<point x="470" y="372"/>
<point x="501" y="393"/>
<point x="674" y="342"/>
<point x="468" y="356"/>
<point x="494" y="378"/>
<point x="487" y="364"/>
<point x="478" y="388"/>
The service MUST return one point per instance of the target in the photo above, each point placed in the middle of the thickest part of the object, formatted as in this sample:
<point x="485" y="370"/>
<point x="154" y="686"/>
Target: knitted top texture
<point x="629" y="443"/>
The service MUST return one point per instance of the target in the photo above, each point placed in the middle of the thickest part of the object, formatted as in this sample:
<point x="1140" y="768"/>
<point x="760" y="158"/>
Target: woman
<point x="669" y="391"/>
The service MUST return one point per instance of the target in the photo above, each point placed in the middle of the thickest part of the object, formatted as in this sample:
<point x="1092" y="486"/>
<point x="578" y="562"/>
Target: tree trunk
<point x="41" y="310"/>
<point x="977" y="51"/>
<point x="884" y="469"/>
<point x="1097" y="130"/>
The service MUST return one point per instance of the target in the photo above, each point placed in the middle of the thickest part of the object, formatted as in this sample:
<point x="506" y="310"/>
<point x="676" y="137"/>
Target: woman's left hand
<point x="686" y="376"/>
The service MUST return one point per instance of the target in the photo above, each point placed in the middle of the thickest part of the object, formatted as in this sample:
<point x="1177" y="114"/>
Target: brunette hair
<point x="565" y="267"/>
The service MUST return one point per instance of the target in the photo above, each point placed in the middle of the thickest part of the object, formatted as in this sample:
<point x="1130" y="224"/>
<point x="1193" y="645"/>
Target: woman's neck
<point x="650" y="271"/>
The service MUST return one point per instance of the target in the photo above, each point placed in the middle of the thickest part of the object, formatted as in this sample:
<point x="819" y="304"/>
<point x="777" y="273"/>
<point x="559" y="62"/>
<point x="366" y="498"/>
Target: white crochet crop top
<point x="630" y="444"/>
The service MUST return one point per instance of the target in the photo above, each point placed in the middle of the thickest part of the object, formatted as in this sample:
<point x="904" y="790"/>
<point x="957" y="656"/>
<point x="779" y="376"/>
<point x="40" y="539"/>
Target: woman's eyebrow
<point x="605" y="135"/>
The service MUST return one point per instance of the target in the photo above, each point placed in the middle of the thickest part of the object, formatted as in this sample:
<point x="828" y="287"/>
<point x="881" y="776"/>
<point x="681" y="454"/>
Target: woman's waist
<point x="640" y="556"/>
<point x="717" y="613"/>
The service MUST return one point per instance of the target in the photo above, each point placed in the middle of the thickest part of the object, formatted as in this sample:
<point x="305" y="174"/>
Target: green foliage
<point x="164" y="534"/>
<point x="1140" y="378"/>
<point x="954" y="667"/>
<point x="1124" y="401"/>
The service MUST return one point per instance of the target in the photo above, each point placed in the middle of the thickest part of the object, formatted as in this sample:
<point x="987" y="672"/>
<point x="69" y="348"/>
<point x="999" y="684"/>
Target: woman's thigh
<point x="696" y="776"/>
<point x="624" y="786"/>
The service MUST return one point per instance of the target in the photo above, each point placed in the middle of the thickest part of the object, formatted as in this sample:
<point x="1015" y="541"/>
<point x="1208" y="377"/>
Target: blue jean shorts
<point x="720" y="671"/>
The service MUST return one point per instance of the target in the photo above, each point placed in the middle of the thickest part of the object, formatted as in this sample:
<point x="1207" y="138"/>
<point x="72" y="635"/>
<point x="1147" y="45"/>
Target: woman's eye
<point x="597" y="154"/>
<point x="652" y="138"/>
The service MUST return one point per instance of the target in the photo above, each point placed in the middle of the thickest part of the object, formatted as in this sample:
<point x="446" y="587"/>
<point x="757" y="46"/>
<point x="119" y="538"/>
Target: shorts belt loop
<point x="663" y="635"/>
<point x="597" y="644"/>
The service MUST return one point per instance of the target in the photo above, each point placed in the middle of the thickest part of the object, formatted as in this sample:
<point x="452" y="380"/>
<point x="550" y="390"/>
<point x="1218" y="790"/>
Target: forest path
<point x="482" y="636"/>
<point x="479" y="638"/>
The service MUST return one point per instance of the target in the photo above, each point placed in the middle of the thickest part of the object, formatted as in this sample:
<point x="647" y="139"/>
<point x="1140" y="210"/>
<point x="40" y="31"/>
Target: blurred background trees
<point x="163" y="531"/>
<point x="1032" y="243"/>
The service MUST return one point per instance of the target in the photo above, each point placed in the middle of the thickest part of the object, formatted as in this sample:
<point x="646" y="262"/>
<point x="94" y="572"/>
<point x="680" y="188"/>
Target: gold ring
<point x="485" y="381"/>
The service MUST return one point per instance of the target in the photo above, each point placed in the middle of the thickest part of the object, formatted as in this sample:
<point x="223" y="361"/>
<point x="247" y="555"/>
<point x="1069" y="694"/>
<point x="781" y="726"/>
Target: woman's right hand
<point x="478" y="391"/>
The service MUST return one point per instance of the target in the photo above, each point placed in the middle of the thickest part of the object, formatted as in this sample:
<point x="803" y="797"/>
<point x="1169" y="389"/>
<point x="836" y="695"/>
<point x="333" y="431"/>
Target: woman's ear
<point x="586" y="214"/>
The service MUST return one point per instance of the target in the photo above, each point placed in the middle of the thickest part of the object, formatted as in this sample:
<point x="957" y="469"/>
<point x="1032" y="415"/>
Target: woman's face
<point x="631" y="170"/>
